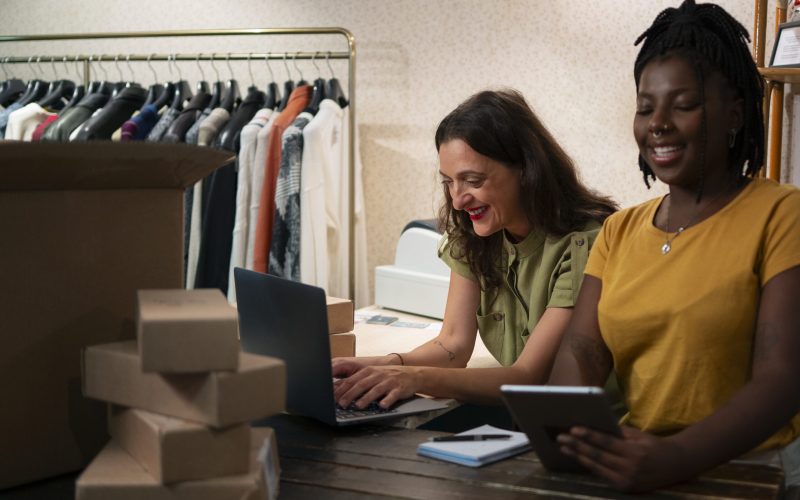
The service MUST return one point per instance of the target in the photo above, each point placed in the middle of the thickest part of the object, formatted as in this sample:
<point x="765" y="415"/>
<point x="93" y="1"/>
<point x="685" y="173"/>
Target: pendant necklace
<point x="667" y="246"/>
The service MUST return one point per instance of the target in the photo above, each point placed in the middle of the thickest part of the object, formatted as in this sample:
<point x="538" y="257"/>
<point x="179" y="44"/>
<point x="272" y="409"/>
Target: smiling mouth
<point x="476" y="213"/>
<point x="665" y="154"/>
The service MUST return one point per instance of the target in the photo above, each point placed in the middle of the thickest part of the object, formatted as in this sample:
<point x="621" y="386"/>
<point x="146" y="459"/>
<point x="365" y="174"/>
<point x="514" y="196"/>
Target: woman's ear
<point x="736" y="119"/>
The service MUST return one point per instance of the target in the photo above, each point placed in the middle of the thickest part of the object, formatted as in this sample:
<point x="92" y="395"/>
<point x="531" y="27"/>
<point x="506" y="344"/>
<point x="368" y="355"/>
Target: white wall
<point x="417" y="59"/>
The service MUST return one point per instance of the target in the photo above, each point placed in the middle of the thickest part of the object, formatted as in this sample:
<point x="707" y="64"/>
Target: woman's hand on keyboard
<point x="384" y="384"/>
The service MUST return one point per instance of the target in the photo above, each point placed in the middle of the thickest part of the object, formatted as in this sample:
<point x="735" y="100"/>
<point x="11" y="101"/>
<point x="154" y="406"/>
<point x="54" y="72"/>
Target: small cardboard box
<point x="171" y="449"/>
<point x="115" y="475"/>
<point x="341" y="315"/>
<point x="83" y="225"/>
<point x="186" y="331"/>
<point x="343" y="345"/>
<point x="112" y="372"/>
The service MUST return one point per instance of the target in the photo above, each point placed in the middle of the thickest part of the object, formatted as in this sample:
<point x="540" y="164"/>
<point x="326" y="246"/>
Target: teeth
<point x="665" y="150"/>
<point x="476" y="211"/>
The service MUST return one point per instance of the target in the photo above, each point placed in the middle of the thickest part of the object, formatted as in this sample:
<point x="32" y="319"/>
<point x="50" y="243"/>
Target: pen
<point x="471" y="437"/>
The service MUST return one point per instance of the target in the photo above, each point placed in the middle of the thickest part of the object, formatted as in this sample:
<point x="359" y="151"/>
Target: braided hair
<point x="712" y="40"/>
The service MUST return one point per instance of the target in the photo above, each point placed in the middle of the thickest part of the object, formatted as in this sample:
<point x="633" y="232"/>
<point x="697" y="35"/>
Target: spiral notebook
<point x="476" y="453"/>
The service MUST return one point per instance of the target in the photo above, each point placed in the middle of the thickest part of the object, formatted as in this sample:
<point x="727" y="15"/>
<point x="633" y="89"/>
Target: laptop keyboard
<point x="353" y="412"/>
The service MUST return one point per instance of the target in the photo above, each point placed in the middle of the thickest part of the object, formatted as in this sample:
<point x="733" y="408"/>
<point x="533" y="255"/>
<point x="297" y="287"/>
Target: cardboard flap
<point x="28" y="166"/>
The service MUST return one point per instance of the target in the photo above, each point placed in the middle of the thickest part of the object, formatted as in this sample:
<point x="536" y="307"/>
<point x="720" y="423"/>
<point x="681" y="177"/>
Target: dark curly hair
<point x="500" y="125"/>
<point x="711" y="40"/>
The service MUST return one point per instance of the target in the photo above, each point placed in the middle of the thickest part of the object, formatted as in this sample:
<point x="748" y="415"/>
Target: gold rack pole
<point x="350" y="55"/>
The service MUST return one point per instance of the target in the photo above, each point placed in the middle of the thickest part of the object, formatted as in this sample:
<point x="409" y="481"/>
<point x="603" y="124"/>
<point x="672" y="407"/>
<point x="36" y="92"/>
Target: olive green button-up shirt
<point x="539" y="272"/>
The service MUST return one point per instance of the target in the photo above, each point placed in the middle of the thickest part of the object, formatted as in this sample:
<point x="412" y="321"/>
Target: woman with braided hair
<point x="691" y="298"/>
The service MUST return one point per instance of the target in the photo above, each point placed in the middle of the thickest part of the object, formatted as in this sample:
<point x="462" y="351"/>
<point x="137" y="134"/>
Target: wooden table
<point x="360" y="462"/>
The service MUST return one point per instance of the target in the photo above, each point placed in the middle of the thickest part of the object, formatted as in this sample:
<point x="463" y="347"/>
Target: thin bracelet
<point x="402" y="362"/>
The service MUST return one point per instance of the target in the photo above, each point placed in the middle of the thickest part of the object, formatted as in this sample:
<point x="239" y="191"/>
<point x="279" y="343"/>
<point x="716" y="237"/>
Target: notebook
<point x="477" y="453"/>
<point x="289" y="320"/>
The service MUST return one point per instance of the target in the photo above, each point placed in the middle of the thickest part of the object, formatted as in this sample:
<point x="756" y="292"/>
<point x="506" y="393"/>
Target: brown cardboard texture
<point x="112" y="372"/>
<point x="83" y="227"/>
<point x="186" y="331"/>
<point x="343" y="345"/>
<point x="171" y="449"/>
<point x="340" y="315"/>
<point x="115" y="475"/>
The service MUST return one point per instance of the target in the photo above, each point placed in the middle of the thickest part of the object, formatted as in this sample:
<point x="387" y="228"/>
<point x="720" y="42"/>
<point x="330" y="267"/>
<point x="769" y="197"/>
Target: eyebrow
<point x="465" y="173"/>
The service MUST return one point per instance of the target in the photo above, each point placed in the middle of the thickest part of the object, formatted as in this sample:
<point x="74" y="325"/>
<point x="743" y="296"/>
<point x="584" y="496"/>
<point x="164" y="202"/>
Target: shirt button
<point x="512" y="251"/>
<point x="579" y="242"/>
<point x="498" y="316"/>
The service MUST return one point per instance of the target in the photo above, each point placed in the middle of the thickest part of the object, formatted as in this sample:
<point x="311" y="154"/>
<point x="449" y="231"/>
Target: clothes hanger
<point x="79" y="91"/>
<point x="167" y="95"/>
<point x="155" y="90"/>
<point x="202" y="86"/>
<point x="318" y="94"/>
<point x="56" y="96"/>
<point x="302" y="80"/>
<point x="217" y="88"/>
<point x="13" y="87"/>
<point x="232" y="96"/>
<point x="333" y="89"/>
<point x="252" y="88"/>
<point x="288" y="86"/>
<point x="273" y="94"/>
<point x="183" y="91"/>
<point x="36" y="87"/>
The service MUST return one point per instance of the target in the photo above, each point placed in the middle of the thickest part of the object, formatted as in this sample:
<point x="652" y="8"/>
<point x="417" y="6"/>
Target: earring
<point x="732" y="137"/>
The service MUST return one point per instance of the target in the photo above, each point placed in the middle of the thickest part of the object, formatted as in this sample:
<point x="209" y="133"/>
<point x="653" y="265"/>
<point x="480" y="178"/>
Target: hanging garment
<point x="108" y="119"/>
<point x="194" y="130"/>
<point x="247" y="151"/>
<point x="284" y="253"/>
<point x="297" y="102"/>
<point x="319" y="215"/>
<point x="163" y="124"/>
<point x="74" y="117"/>
<point x="23" y="122"/>
<point x="4" y="115"/>
<point x="37" y="134"/>
<point x="139" y="126"/>
<point x="256" y="184"/>
<point x="206" y="135"/>
<point x="176" y="132"/>
<point x="219" y="209"/>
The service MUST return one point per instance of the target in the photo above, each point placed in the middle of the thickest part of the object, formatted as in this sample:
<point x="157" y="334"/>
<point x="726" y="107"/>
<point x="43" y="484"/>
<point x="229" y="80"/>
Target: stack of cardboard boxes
<point x="340" y="325"/>
<point x="182" y="399"/>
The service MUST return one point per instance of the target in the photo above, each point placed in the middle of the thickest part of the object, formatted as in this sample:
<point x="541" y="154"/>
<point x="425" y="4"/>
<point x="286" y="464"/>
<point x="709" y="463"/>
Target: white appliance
<point x="417" y="282"/>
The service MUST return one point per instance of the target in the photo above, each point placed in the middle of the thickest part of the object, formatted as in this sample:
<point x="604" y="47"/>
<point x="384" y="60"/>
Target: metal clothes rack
<point x="349" y="55"/>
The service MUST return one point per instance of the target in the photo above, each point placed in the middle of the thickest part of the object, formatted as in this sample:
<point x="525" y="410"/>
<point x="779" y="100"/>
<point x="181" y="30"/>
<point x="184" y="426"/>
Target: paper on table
<point x="476" y="453"/>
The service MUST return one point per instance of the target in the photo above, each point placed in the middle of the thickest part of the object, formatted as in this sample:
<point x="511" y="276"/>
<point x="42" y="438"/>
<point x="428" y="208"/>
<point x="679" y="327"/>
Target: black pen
<point x="472" y="437"/>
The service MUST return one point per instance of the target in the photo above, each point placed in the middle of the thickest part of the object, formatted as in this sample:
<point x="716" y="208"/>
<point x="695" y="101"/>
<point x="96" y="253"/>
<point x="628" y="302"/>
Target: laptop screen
<point x="288" y="320"/>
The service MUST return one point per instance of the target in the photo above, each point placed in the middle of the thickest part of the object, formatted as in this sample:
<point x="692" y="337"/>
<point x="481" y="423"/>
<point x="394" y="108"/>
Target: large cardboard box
<point x="83" y="227"/>
<point x="185" y="331"/>
<point x="341" y="315"/>
<point x="112" y="372"/>
<point x="115" y="475"/>
<point x="171" y="449"/>
<point x="342" y="345"/>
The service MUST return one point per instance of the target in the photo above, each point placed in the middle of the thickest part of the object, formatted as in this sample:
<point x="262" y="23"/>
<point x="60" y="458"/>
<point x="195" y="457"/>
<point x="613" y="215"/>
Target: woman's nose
<point x="460" y="198"/>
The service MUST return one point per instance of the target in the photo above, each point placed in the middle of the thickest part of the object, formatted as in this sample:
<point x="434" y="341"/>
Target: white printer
<point x="418" y="281"/>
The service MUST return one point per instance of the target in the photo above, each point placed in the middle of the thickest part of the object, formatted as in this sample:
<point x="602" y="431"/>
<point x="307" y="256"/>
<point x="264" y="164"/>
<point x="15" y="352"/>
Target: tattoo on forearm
<point x="450" y="354"/>
<point x="592" y="356"/>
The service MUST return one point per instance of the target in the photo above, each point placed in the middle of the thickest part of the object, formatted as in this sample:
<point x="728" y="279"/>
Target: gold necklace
<point x="667" y="246"/>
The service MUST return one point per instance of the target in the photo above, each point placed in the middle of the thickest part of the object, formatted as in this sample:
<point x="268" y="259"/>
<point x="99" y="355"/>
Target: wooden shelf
<point x="785" y="75"/>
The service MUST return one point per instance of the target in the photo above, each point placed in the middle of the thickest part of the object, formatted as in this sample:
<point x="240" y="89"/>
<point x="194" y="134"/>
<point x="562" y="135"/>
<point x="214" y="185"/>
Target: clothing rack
<point x="349" y="55"/>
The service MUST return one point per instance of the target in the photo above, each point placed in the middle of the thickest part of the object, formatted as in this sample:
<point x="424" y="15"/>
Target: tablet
<point x="543" y="412"/>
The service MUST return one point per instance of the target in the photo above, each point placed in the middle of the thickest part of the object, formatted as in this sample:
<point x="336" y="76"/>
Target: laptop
<point x="289" y="320"/>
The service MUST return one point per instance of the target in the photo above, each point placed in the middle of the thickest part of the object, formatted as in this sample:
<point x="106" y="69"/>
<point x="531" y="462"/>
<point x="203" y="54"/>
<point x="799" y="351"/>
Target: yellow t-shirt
<point x="680" y="326"/>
